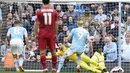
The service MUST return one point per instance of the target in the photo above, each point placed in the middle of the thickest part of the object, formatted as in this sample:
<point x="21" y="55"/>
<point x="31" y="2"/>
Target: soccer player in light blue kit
<point x="15" y="39"/>
<point x="79" y="38"/>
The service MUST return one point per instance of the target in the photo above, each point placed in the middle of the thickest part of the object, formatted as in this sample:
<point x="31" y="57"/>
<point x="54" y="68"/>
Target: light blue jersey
<point x="79" y="39"/>
<point x="17" y="32"/>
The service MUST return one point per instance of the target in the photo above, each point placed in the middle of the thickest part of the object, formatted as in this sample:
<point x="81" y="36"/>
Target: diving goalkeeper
<point x="83" y="63"/>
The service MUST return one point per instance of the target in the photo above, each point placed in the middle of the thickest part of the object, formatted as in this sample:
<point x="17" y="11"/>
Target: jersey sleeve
<point x="59" y="53"/>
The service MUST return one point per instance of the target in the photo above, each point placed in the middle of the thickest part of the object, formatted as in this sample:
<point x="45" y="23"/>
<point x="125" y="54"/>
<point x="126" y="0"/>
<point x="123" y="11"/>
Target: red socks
<point x="43" y="61"/>
<point x="54" y="61"/>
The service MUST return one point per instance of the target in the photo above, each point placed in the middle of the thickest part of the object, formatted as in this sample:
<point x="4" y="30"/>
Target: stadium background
<point x="110" y="9"/>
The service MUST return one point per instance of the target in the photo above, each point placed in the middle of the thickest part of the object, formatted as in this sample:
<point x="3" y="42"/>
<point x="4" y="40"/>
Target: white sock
<point x="21" y="60"/>
<point x="16" y="64"/>
<point x="61" y="62"/>
<point x="78" y="61"/>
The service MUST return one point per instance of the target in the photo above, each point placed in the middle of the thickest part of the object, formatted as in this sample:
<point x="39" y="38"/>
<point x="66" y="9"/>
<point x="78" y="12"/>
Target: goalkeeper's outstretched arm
<point x="57" y="54"/>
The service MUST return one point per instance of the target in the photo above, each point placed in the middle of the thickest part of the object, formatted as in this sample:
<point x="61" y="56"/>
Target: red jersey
<point x="47" y="18"/>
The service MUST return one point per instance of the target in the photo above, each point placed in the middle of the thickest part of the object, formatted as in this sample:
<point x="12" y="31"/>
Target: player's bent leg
<point x="14" y="50"/>
<point x="20" y="61"/>
<point x="83" y="64"/>
<point x="19" y="52"/>
<point x="43" y="59"/>
<point x="16" y="65"/>
<point x="85" y="58"/>
<point x="96" y="64"/>
<point x="61" y="62"/>
<point x="70" y="56"/>
<point x="51" y="43"/>
<point x="16" y="62"/>
<point x="42" y="43"/>
<point x="86" y="67"/>
<point x="78" y="62"/>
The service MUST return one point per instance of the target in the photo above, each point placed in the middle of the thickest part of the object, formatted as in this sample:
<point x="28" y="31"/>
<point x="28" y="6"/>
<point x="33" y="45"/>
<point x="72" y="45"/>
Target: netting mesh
<point x="100" y="19"/>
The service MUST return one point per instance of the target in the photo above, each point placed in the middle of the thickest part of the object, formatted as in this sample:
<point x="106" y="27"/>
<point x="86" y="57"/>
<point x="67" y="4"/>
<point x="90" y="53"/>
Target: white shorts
<point x="77" y="49"/>
<point x="17" y="46"/>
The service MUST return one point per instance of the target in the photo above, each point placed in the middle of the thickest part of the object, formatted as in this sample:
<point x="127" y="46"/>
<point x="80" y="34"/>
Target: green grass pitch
<point x="36" y="72"/>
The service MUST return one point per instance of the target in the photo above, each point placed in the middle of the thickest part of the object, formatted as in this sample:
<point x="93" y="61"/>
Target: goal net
<point x="105" y="21"/>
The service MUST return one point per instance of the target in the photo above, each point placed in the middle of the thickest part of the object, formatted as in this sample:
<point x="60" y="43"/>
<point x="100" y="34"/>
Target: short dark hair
<point x="17" y="22"/>
<point x="45" y="2"/>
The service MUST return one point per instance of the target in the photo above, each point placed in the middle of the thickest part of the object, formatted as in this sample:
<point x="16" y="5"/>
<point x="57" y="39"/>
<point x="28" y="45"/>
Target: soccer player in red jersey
<point x="46" y="28"/>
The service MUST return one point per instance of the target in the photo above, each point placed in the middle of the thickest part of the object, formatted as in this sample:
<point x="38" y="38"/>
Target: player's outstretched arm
<point x="69" y="37"/>
<point x="91" y="47"/>
<point x="57" y="54"/>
